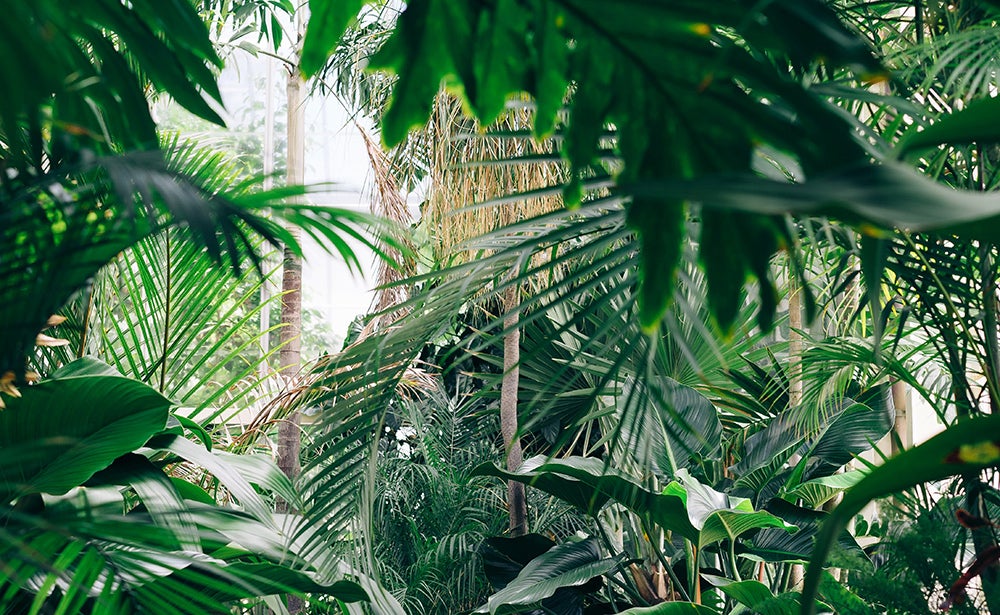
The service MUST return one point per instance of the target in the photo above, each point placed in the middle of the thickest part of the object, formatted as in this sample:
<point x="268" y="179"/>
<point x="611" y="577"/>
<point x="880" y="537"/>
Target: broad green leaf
<point x="660" y="226"/>
<point x="659" y="222"/>
<point x="766" y="452"/>
<point x="772" y="545"/>
<point x="849" y="429"/>
<point x="197" y="430"/>
<point x="730" y="524"/>
<point x="978" y="122"/>
<point x="87" y="58"/>
<point x="967" y="446"/>
<point x="567" y="565"/>
<point x="873" y="259"/>
<point x="239" y="533"/>
<point x="818" y="491"/>
<point x="496" y="67"/>
<point x="158" y="493"/>
<point x="550" y="74"/>
<point x="84" y="366"/>
<point x="872" y="197"/>
<point x="747" y="593"/>
<point x="733" y="247"/>
<point x="719" y="516"/>
<point x="857" y="429"/>
<point x="721" y="254"/>
<point x="503" y="558"/>
<point x="432" y="39"/>
<point x="589" y="484"/>
<point x="228" y="474"/>
<point x="328" y="19"/>
<point x="192" y="492"/>
<point x="757" y="597"/>
<point x="846" y="601"/>
<point x="61" y="431"/>
<point x="263" y="472"/>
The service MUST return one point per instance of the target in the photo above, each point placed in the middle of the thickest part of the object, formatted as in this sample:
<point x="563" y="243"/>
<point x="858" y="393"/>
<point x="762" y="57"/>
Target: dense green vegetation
<point x="712" y="245"/>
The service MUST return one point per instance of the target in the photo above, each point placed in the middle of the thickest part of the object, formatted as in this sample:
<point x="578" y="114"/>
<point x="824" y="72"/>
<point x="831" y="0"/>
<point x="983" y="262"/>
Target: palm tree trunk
<point x="794" y="344"/>
<point x="516" y="501"/>
<point x="290" y="356"/>
<point x="797" y="571"/>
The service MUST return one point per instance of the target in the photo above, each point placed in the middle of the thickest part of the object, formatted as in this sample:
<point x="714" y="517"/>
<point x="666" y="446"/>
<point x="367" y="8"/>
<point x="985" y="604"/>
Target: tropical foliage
<point x="544" y="47"/>
<point x="692" y="441"/>
<point x="96" y="517"/>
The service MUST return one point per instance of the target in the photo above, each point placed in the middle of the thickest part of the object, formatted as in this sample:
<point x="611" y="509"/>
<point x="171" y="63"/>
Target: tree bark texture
<point x="290" y="355"/>
<point x="516" y="501"/>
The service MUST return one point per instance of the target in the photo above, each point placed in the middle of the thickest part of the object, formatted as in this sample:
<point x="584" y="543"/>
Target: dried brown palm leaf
<point x="387" y="202"/>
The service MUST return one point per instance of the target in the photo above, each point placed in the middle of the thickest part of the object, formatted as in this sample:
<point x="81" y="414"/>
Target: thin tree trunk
<point x="797" y="572"/>
<point x="794" y="344"/>
<point x="290" y="356"/>
<point x="516" y="500"/>
<point x="289" y="440"/>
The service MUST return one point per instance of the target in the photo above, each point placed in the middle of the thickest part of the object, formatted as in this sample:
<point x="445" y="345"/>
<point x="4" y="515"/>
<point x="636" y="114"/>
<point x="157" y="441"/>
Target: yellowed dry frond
<point x="457" y="184"/>
<point x="387" y="202"/>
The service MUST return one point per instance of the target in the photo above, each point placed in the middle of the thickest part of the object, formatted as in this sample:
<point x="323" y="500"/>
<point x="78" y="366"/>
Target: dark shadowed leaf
<point x="567" y="565"/>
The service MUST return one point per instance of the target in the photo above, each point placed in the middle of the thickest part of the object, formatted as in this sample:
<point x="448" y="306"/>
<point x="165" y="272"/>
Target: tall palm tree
<point x="462" y="174"/>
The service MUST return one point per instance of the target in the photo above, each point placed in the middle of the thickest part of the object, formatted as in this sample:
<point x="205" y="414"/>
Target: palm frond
<point x="167" y="316"/>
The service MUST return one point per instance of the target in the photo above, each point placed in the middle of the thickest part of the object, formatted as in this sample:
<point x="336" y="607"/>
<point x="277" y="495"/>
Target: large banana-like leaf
<point x="817" y="491"/>
<point x="975" y="123"/>
<point x="162" y="497"/>
<point x="718" y="516"/>
<point x="78" y="553"/>
<point x="774" y="545"/>
<point x="589" y="484"/>
<point x="57" y="434"/>
<point x="757" y="597"/>
<point x="849" y="429"/>
<point x="563" y="566"/>
<point x="695" y="511"/>
<point x="504" y="558"/>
